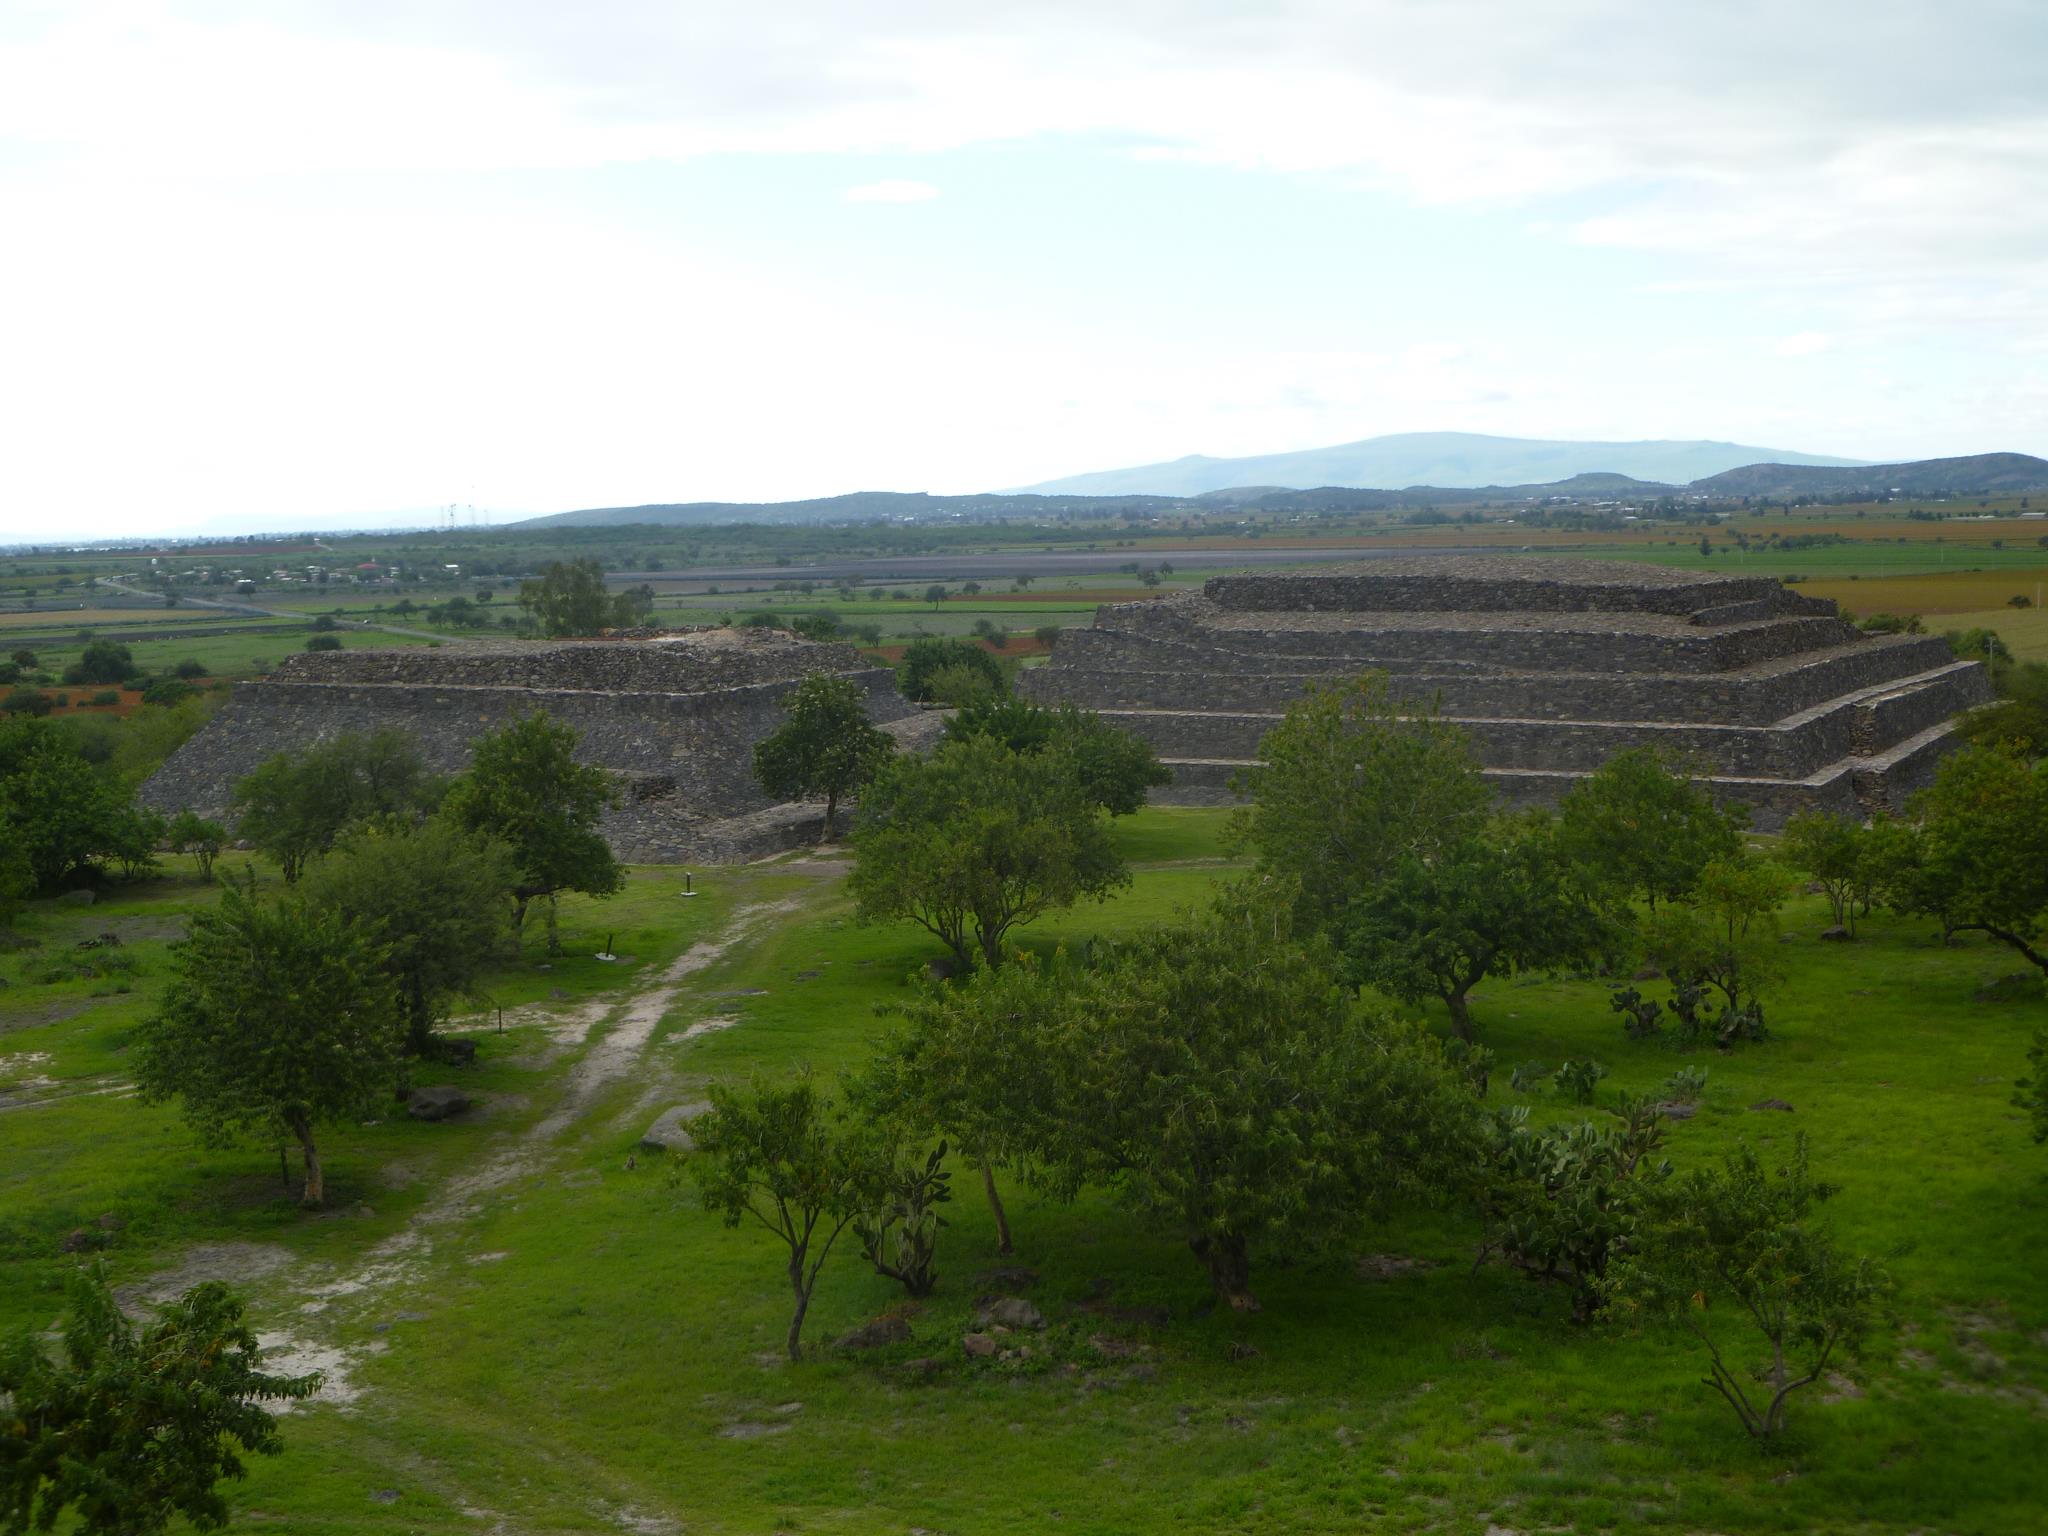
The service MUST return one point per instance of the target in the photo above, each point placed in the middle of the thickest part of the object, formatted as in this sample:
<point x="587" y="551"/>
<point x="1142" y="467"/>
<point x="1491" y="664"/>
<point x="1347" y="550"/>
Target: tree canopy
<point x="1115" y="767"/>
<point x="1645" y="829"/>
<point x="60" y="815"/>
<point x="525" y="789"/>
<point x="569" y="598"/>
<point x="295" y="805"/>
<point x="1980" y="863"/>
<point x="927" y="657"/>
<point x="974" y="839"/>
<point x="825" y="747"/>
<point x="278" y="1017"/>
<point x="1350" y="783"/>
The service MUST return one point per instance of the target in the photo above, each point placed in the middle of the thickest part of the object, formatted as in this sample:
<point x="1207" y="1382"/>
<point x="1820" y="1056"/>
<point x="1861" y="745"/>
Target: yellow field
<point x="1945" y="593"/>
<point x="2025" y="630"/>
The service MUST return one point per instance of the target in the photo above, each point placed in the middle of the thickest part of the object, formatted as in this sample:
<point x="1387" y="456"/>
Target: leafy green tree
<point x="1645" y="829"/>
<point x="189" y="832"/>
<point x="825" y="746"/>
<point x="1562" y="1203"/>
<point x="277" y="1019"/>
<point x="295" y="805"/>
<point x="2020" y="717"/>
<point x="780" y="1157"/>
<point x="1982" y="852"/>
<point x="1222" y="1084"/>
<point x="925" y="658"/>
<point x="1742" y="1243"/>
<point x="1830" y="849"/>
<point x="150" y="735"/>
<point x="1497" y="904"/>
<point x="569" y="598"/>
<point x="131" y="1427"/>
<point x="2032" y="1094"/>
<point x="1115" y="767"/>
<point x="975" y="1064"/>
<point x="17" y="882"/>
<point x="974" y="840"/>
<point x="61" y="815"/>
<point x="102" y="662"/>
<point x="1725" y="936"/>
<point x="433" y="896"/>
<point x="525" y="788"/>
<point x="1353" y="781"/>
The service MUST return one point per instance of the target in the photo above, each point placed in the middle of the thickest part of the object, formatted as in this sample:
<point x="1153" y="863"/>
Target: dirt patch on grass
<point x="233" y="1263"/>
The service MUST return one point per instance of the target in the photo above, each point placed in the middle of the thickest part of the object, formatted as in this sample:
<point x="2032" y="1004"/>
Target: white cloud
<point x="891" y="192"/>
<point x="1803" y="344"/>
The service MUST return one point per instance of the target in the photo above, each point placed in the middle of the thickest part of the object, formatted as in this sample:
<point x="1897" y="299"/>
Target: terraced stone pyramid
<point x="1550" y="666"/>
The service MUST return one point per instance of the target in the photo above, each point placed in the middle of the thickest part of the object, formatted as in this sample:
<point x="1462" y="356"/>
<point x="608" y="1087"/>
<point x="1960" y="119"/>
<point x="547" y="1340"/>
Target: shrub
<point x="1578" y="1080"/>
<point x="188" y="669"/>
<point x="924" y="659"/>
<point x="106" y="696"/>
<point x="27" y="701"/>
<point x="324" y="643"/>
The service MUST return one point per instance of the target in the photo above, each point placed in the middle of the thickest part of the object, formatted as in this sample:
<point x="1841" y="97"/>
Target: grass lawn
<point x="577" y="1347"/>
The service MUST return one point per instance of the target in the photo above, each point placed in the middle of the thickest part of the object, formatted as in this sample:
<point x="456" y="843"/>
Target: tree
<point x="1744" y="1242"/>
<point x="975" y="1064"/>
<point x="17" y="882"/>
<point x="295" y="805"/>
<point x="277" y="1019"/>
<point x="570" y="599"/>
<point x="925" y="658"/>
<point x="1982" y="851"/>
<point x="132" y="1426"/>
<point x="1725" y="937"/>
<point x="1493" y="905"/>
<point x="1221" y="1083"/>
<point x="433" y="897"/>
<point x="935" y="594"/>
<point x="1644" y="829"/>
<point x="824" y="746"/>
<point x="1350" y="783"/>
<point x="974" y="840"/>
<point x="2032" y="1090"/>
<point x="525" y="788"/>
<point x="1114" y="766"/>
<point x="54" y="808"/>
<point x="2019" y="718"/>
<point x="1562" y="1203"/>
<point x="1829" y="849"/>
<point x="778" y="1155"/>
<point x="323" y="642"/>
<point x="189" y="832"/>
<point x="102" y="662"/>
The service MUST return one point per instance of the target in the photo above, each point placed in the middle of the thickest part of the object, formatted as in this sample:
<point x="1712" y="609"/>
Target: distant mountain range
<point x="1452" y="460"/>
<point x="1973" y="475"/>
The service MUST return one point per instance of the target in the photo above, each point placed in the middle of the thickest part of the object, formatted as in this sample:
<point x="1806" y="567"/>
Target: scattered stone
<point x="1678" y="1110"/>
<point x="1778" y="1104"/>
<point x="1240" y="1350"/>
<point x="979" y="1345"/>
<point x="1647" y="973"/>
<point x="1839" y="1388"/>
<point x="1112" y="1348"/>
<point x="671" y="1132"/>
<point x="76" y="899"/>
<point x="456" y="1053"/>
<point x="924" y="1367"/>
<point x="740" y="992"/>
<point x="1013" y="1312"/>
<point x="107" y="940"/>
<point x="883" y="1330"/>
<point x="1141" y="1373"/>
<point x="110" y="1222"/>
<point x="442" y="1101"/>
<point x="807" y="975"/>
<point x="751" y="1431"/>
<point x="82" y="1240"/>
<point x="1835" y="935"/>
<point x="383" y="1495"/>
<point x="1391" y="1266"/>
<point x="1009" y="1277"/>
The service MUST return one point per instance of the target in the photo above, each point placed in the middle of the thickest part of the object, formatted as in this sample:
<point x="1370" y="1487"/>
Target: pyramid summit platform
<point x="1549" y="665"/>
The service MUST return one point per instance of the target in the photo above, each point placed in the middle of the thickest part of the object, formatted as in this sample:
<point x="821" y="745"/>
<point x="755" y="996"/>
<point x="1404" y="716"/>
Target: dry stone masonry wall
<point x="1550" y="665"/>
<point x="674" y="719"/>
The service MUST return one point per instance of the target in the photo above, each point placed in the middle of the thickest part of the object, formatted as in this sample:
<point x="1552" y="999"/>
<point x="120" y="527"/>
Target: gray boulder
<point x="1012" y="1312"/>
<point x="439" y="1102"/>
<point x="671" y="1132"/>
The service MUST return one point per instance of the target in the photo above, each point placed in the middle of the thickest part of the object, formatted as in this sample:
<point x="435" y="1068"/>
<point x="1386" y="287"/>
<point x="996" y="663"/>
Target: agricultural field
<point x="527" y="1326"/>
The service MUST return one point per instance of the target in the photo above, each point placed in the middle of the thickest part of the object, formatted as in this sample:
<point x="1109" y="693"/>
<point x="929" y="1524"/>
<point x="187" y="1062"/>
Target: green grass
<point x="610" y="1357"/>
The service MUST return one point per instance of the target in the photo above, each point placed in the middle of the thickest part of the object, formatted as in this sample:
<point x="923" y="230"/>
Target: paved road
<point x="274" y="613"/>
<point x="979" y="565"/>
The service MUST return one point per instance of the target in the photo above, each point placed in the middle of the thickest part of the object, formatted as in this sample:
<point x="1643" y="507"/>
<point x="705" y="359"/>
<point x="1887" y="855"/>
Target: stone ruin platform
<point x="673" y="718"/>
<point x="1549" y="665"/>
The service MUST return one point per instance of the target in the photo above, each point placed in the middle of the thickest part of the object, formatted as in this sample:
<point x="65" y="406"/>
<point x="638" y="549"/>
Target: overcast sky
<point x="331" y="258"/>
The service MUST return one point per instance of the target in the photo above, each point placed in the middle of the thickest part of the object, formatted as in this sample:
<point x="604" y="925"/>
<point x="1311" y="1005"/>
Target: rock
<point x="455" y="1052"/>
<point x="1013" y="1312"/>
<point x="1391" y="1266"/>
<point x="384" y="1496"/>
<point x="671" y="1132"/>
<point x="1835" y="935"/>
<point x="978" y="1345"/>
<point x="440" y="1102"/>
<point x="1239" y="1350"/>
<point x="1010" y="1277"/>
<point x="76" y="899"/>
<point x="923" y="1367"/>
<point x="80" y="1240"/>
<point x="110" y="1222"/>
<point x="1678" y="1111"/>
<point x="883" y="1330"/>
<point x="1647" y="973"/>
<point x="1112" y="1348"/>
<point x="1773" y="1104"/>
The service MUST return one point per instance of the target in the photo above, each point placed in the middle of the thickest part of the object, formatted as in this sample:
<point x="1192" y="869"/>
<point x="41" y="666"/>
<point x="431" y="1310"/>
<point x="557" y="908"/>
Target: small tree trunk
<point x="803" y="1305"/>
<point x="1461" y="1014"/>
<point x="831" y="810"/>
<point x="1230" y="1268"/>
<point x="316" y="1183"/>
<point x="519" y="913"/>
<point x="995" y="1204"/>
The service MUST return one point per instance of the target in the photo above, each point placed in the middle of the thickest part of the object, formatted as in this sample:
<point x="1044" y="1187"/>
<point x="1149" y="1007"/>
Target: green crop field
<point x="528" y="1329"/>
